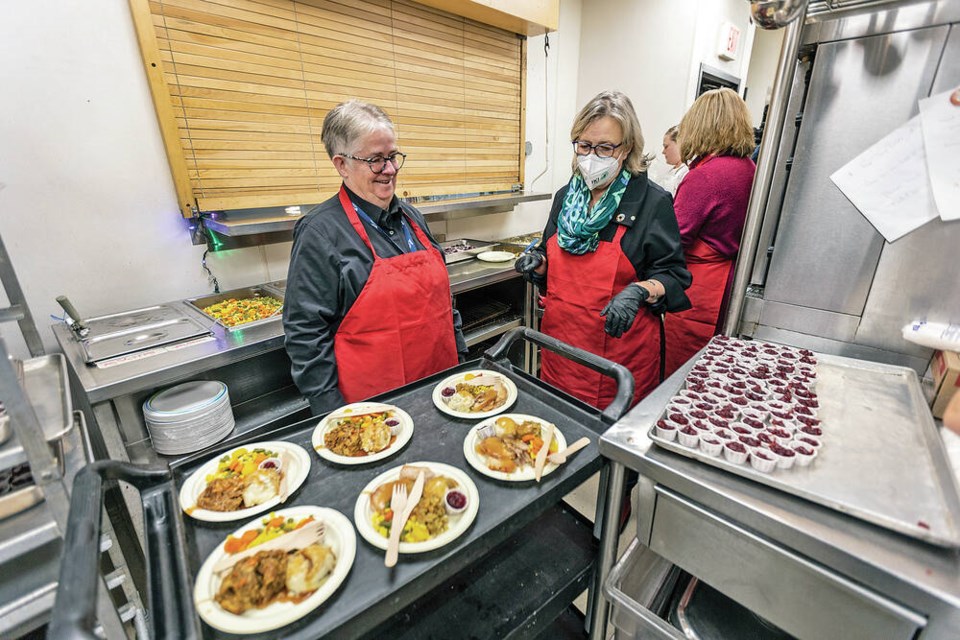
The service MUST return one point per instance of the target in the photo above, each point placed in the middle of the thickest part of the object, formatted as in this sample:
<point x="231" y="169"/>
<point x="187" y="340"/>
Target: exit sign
<point x="729" y="41"/>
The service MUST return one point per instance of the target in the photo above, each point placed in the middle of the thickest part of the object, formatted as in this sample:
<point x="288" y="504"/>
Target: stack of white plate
<point x="188" y="417"/>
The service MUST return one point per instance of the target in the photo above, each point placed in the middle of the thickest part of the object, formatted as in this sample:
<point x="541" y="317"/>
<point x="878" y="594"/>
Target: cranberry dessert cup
<point x="735" y="452"/>
<point x="711" y="445"/>
<point x="785" y="456"/>
<point x="665" y="430"/>
<point x="689" y="437"/>
<point x="805" y="453"/>
<point x="725" y="434"/>
<point x="762" y="460"/>
<point x="807" y="440"/>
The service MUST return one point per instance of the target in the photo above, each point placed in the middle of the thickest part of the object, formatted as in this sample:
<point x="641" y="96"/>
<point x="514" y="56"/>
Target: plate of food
<point x="275" y="570"/>
<point x="496" y="256"/>
<point x="244" y="481"/>
<point x="445" y="511"/>
<point x="475" y="394"/>
<point x="506" y="447"/>
<point x="362" y="432"/>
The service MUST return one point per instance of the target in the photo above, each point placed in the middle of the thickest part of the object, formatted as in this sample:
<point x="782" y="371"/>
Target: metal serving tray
<point x="247" y="292"/>
<point x="882" y="460"/>
<point x="477" y="246"/>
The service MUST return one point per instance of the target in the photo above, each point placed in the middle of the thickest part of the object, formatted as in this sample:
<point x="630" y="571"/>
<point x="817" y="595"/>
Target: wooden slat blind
<point x="249" y="82"/>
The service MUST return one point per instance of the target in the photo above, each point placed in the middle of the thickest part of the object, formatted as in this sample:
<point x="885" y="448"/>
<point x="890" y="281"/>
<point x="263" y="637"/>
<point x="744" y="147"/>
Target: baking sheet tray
<point x="882" y="460"/>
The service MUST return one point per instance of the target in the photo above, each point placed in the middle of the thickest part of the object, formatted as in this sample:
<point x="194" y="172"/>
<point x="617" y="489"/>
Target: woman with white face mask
<point x="610" y="259"/>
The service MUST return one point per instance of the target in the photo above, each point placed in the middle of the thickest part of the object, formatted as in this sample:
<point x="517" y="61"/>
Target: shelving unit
<point x="31" y="538"/>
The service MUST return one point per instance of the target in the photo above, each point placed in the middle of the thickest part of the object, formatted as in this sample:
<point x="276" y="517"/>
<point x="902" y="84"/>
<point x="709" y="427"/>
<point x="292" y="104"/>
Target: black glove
<point x="527" y="262"/>
<point x="622" y="309"/>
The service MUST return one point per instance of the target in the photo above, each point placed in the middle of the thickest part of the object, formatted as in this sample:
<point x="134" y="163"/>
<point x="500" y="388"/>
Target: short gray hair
<point x="348" y="122"/>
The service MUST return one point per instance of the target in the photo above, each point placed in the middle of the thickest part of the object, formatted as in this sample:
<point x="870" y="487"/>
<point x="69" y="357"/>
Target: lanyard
<point x="403" y="224"/>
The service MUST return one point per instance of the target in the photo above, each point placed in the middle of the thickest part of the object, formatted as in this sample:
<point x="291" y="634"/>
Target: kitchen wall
<point x="86" y="200"/>
<point x="652" y="51"/>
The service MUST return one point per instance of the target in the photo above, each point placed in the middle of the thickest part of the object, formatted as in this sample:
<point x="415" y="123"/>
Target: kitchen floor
<point x="584" y="500"/>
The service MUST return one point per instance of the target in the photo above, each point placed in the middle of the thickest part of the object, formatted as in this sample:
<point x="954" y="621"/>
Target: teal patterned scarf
<point x="578" y="227"/>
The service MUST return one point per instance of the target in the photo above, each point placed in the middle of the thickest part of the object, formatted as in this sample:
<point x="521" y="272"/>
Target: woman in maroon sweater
<point x="716" y="139"/>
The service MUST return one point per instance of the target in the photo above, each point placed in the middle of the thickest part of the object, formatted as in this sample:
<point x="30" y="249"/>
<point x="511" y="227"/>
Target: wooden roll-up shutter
<point x="242" y="86"/>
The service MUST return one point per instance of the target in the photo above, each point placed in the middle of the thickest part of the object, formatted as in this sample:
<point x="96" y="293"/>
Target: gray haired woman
<point x="367" y="305"/>
<point x="610" y="258"/>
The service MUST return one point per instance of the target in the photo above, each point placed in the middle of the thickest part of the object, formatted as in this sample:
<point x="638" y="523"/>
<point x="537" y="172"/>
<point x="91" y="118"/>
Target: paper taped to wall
<point x="889" y="182"/>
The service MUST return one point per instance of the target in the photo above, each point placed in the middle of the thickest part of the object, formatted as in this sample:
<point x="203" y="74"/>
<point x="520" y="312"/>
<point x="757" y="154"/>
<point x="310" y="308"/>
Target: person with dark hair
<point x="368" y="305"/>
<point x="716" y="139"/>
<point x="609" y="259"/>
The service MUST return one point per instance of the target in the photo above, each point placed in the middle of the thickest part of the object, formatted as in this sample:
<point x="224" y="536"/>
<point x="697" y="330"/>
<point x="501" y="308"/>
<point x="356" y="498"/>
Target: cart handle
<point x="74" y="611"/>
<point x="624" y="379"/>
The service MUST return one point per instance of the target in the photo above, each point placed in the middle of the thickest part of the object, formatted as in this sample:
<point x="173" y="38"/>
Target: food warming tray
<point x="882" y="460"/>
<point x="176" y="546"/>
<point x="457" y="251"/>
<point x="248" y="292"/>
<point x="127" y="332"/>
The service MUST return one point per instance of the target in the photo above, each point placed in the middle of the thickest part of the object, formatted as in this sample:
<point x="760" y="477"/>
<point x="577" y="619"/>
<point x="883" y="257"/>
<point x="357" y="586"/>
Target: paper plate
<point x="400" y="440"/>
<point x="457" y="524"/>
<point x="338" y="534"/>
<point x="496" y="256"/>
<point x="523" y="473"/>
<point x="296" y="469"/>
<point x="457" y="378"/>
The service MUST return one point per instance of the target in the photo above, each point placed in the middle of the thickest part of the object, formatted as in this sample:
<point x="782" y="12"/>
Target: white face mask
<point x="598" y="172"/>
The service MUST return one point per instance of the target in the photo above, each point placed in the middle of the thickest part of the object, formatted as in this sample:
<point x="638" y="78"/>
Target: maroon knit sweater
<point x="711" y="202"/>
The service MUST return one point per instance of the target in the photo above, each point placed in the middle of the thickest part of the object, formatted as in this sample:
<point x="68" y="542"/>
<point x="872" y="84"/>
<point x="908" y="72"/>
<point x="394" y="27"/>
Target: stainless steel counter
<point x="923" y="578"/>
<point x="224" y="347"/>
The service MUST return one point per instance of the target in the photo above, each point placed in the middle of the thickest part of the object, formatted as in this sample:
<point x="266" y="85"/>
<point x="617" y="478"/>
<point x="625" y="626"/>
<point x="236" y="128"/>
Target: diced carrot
<point x="303" y="522"/>
<point x="527" y="437"/>
<point x="233" y="545"/>
<point x="276" y="522"/>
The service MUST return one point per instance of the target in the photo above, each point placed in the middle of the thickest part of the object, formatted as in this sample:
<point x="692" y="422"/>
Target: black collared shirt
<point x="329" y="266"/>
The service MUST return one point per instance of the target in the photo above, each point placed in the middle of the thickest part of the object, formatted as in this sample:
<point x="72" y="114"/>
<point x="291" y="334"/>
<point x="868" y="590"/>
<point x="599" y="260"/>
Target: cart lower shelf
<point x="515" y="591"/>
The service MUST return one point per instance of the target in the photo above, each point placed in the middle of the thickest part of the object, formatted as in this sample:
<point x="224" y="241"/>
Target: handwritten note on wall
<point x="889" y="182"/>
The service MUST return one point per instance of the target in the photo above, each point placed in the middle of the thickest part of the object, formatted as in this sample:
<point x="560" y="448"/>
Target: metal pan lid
<point x="185" y="398"/>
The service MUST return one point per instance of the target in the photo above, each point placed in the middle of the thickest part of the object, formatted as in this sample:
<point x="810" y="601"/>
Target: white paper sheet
<point x="940" y="121"/>
<point x="889" y="182"/>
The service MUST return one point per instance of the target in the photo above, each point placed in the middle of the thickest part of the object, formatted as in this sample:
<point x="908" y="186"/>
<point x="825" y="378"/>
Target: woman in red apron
<point x="610" y="259"/>
<point x="711" y="207"/>
<point x="367" y="305"/>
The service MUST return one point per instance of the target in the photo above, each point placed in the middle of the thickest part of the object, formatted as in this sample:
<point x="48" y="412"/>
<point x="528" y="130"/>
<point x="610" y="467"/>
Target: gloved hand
<point x="622" y="309"/>
<point x="528" y="262"/>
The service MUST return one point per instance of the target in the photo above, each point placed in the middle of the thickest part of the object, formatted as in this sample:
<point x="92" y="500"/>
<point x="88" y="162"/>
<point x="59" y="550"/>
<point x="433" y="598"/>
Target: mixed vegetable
<point x="233" y="312"/>
<point x="241" y="462"/>
<point x="273" y="527"/>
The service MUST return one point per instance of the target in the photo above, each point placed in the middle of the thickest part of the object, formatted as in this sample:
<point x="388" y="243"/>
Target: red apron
<point x="400" y="328"/>
<point x="578" y="288"/>
<point x="688" y="331"/>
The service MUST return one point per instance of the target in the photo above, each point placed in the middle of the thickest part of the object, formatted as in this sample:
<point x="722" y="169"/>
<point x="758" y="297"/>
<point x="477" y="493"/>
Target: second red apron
<point x="688" y="331"/>
<point x="400" y="328"/>
<point x="578" y="288"/>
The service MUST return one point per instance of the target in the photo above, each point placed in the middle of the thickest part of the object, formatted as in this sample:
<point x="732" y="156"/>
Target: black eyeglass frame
<point x="392" y="159"/>
<point x="595" y="148"/>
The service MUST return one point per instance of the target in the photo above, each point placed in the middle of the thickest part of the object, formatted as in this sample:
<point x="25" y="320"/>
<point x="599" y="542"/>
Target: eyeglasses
<point x="604" y="150"/>
<point x="378" y="163"/>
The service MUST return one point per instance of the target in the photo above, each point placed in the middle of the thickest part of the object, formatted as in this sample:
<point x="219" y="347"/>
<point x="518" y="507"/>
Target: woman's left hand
<point x="622" y="310"/>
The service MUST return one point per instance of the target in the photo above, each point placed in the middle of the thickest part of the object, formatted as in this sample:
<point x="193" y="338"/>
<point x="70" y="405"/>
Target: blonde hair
<point x="617" y="106"/>
<point x="719" y="124"/>
<point x="348" y="123"/>
<point x="672" y="132"/>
